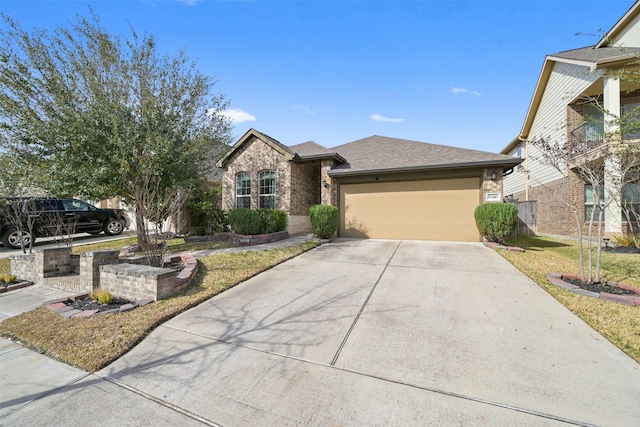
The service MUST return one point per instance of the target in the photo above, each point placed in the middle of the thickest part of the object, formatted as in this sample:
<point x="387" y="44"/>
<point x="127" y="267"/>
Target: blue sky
<point x="457" y="73"/>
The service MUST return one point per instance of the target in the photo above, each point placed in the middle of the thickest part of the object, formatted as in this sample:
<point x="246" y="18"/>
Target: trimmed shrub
<point x="245" y="221"/>
<point x="496" y="221"/>
<point x="325" y="220"/>
<point x="273" y="220"/>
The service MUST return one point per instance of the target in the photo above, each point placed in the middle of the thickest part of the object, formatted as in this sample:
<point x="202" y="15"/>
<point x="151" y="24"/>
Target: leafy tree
<point x="95" y="115"/>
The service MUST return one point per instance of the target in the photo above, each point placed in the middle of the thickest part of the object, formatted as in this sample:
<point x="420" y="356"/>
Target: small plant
<point x="496" y="221"/>
<point x="8" y="278"/>
<point x="325" y="220"/>
<point x="103" y="296"/>
<point x="628" y="241"/>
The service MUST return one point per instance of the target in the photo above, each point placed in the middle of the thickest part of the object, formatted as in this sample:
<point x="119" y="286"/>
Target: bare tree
<point x="158" y="216"/>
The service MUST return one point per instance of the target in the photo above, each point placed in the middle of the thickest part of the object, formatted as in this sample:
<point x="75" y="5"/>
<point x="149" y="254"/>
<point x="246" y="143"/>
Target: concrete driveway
<point x="366" y="332"/>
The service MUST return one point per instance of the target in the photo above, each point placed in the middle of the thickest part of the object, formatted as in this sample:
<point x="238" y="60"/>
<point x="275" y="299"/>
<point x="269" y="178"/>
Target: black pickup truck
<point x="54" y="217"/>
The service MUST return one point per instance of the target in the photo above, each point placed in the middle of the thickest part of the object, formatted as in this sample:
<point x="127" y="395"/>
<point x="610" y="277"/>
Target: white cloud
<point x="303" y="109"/>
<point x="236" y="115"/>
<point x="379" y="118"/>
<point x="459" y="90"/>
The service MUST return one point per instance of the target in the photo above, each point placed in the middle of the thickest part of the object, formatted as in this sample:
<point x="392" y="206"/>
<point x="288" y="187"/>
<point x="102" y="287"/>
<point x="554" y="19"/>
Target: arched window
<point x="267" y="190"/>
<point x="243" y="190"/>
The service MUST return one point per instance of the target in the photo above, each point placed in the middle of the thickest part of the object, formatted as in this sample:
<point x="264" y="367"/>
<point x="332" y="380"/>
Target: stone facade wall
<point x="26" y="267"/>
<point x="254" y="157"/>
<point x="137" y="282"/>
<point x="305" y="187"/>
<point x="490" y="186"/>
<point x="329" y="195"/>
<point x="299" y="224"/>
<point x="90" y="263"/>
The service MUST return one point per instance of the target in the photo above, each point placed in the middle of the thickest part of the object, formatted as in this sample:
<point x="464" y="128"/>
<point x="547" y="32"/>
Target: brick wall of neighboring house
<point x="305" y="187"/>
<point x="554" y="216"/>
<point x="575" y="118"/>
<point x="254" y="157"/>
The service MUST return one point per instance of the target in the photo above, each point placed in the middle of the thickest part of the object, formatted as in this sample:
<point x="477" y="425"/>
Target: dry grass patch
<point x="619" y="323"/>
<point x="91" y="344"/>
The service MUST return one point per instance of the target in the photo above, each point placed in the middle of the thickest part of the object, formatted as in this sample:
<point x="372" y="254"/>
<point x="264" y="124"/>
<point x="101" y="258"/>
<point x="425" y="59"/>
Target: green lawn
<point x="618" y="323"/>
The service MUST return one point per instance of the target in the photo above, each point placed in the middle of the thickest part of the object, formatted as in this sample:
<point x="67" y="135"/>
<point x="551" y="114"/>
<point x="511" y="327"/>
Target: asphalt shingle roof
<point x="309" y="148"/>
<point x="590" y="54"/>
<point x="378" y="153"/>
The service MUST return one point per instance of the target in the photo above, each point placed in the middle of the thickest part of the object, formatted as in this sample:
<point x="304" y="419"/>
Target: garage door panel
<point x="426" y="210"/>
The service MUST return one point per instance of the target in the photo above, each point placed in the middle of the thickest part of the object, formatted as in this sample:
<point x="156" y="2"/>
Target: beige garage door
<point x="421" y="210"/>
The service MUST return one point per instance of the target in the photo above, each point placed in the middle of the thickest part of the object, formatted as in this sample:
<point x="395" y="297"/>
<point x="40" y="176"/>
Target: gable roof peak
<point x="274" y="143"/>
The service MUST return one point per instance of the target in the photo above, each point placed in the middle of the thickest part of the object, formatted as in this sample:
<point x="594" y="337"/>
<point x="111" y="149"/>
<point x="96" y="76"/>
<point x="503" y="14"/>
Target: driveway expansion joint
<point x="355" y="321"/>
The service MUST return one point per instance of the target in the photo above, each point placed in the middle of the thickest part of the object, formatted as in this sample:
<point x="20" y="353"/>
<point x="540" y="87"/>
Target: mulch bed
<point x="610" y="291"/>
<point x="599" y="287"/>
<point x="91" y="304"/>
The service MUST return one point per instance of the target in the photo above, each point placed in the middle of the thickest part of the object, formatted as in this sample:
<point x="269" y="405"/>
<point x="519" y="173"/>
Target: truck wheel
<point x="14" y="239"/>
<point x="113" y="227"/>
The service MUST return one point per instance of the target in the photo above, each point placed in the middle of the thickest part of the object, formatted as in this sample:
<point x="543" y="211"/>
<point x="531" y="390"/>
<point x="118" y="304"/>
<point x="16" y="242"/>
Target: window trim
<point x="262" y="196"/>
<point x="590" y="205"/>
<point x="243" y="192"/>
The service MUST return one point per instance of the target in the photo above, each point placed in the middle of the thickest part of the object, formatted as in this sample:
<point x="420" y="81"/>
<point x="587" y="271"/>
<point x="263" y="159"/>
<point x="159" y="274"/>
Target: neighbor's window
<point x="594" y="123"/>
<point x="267" y="194"/>
<point x="629" y="120"/>
<point x="590" y="201"/>
<point x="243" y="190"/>
<point x="631" y="201"/>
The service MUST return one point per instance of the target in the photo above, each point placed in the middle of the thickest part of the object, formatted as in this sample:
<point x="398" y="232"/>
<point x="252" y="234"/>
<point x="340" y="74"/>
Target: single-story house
<point x="385" y="188"/>
<point x="577" y="102"/>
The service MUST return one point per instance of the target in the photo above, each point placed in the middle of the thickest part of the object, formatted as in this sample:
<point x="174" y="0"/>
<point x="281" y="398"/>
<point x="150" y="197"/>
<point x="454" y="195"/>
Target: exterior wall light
<point x="326" y="185"/>
<point x="494" y="176"/>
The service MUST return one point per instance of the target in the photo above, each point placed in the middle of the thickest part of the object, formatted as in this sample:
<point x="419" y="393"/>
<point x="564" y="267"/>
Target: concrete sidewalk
<point x="360" y="332"/>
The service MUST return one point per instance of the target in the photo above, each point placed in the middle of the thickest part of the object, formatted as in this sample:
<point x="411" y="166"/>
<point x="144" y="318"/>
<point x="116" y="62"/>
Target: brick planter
<point x="633" y="300"/>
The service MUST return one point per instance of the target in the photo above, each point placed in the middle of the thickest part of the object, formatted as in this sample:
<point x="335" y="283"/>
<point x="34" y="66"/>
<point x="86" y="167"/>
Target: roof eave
<point x="324" y="156"/>
<point x="505" y="163"/>
<point x="618" y="60"/>
<point x="619" y="26"/>
<point x="513" y="144"/>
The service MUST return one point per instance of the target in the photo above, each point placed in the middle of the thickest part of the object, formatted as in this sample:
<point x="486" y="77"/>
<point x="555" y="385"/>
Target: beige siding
<point x="630" y="36"/>
<point x="565" y="84"/>
<point x="422" y="210"/>
<point x="515" y="182"/>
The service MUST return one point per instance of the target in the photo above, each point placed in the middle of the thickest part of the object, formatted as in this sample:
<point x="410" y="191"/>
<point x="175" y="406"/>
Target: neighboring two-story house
<point x="577" y="99"/>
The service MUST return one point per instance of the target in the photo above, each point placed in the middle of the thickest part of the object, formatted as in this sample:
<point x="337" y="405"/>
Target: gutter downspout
<point x="526" y="166"/>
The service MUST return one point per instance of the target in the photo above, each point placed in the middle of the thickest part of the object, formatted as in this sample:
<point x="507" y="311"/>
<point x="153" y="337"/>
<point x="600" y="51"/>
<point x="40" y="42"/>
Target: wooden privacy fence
<point x="527" y="217"/>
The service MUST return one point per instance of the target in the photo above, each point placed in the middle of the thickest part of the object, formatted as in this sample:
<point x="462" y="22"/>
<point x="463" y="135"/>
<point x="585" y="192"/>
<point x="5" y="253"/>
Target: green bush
<point x="325" y="220"/>
<point x="218" y="220"/>
<point x="496" y="221"/>
<point x="245" y="221"/>
<point x="202" y="208"/>
<point x="272" y="220"/>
